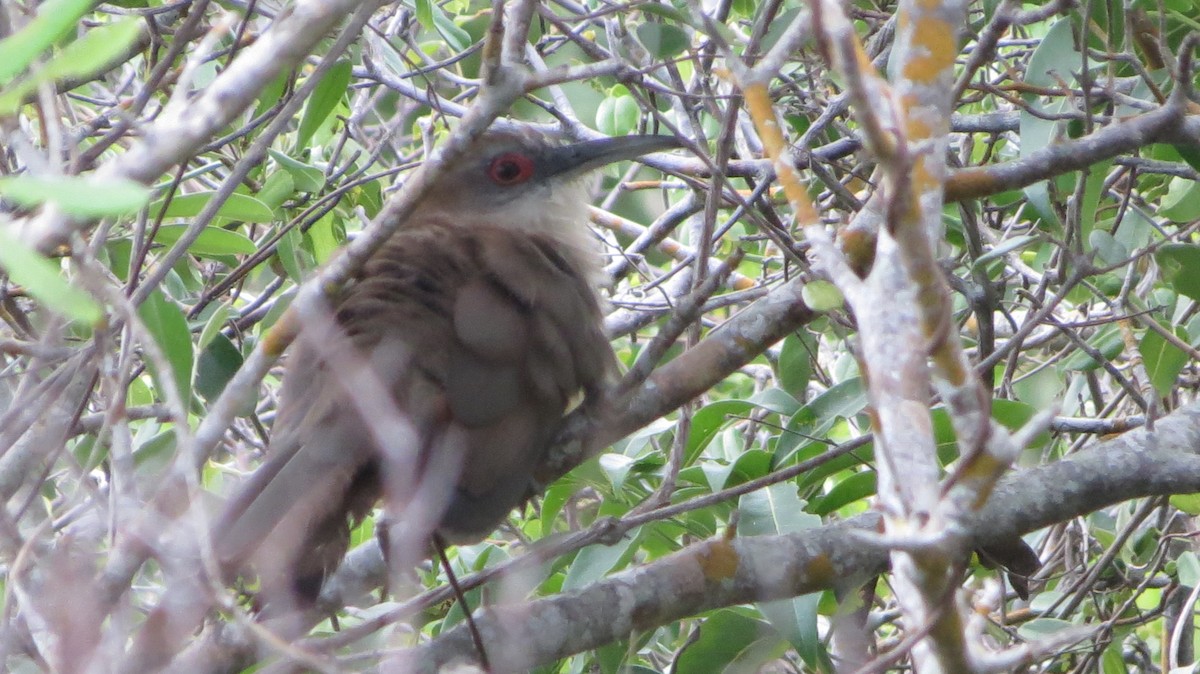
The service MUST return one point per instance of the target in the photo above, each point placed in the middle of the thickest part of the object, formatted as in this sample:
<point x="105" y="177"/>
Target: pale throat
<point x="559" y="214"/>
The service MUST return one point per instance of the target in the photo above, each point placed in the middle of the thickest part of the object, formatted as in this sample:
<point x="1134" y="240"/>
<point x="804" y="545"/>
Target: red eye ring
<point x="510" y="168"/>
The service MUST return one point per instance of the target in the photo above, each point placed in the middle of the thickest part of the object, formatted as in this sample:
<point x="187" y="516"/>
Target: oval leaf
<point x="618" y="113"/>
<point x="305" y="178"/>
<point x="662" y="40"/>
<point x="212" y="241"/>
<point x="54" y="20"/>
<point x="236" y="207"/>
<point x="1179" y="262"/>
<point x="1163" y="360"/>
<point x="325" y="97"/>
<point x="164" y="320"/>
<point x="85" y="196"/>
<point x="94" y="52"/>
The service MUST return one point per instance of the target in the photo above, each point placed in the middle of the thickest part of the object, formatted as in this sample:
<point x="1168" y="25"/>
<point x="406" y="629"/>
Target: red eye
<point x="510" y="168"/>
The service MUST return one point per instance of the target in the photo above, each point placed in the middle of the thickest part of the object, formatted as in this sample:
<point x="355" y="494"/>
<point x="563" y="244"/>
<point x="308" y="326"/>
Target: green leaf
<point x="778" y="28"/>
<point x="217" y="365"/>
<point x="778" y="509"/>
<point x="1189" y="154"/>
<point x="1007" y="246"/>
<point x="325" y="98"/>
<point x="1108" y="249"/>
<point x="618" y="113"/>
<point x="324" y="239"/>
<point x="270" y="94"/>
<point x="307" y="178"/>
<point x="291" y="254"/>
<point x="1040" y="628"/>
<point x="165" y="321"/>
<point x="55" y="19"/>
<point x="853" y="488"/>
<point x="663" y="40"/>
<point x="211" y="242"/>
<point x="1188" y="503"/>
<point x="795" y="363"/>
<point x="96" y="51"/>
<point x="1182" y="201"/>
<point x="1163" y="360"/>
<point x="42" y="278"/>
<point x="1179" y="262"/>
<point x="822" y="296"/>
<point x="456" y="38"/>
<point x="92" y="53"/>
<point x="84" y="196"/>
<point x="236" y="207"/>
<point x="616" y="467"/>
<point x="155" y="454"/>
<point x="594" y="562"/>
<point x="276" y="189"/>
<point x="1188" y="569"/>
<point x="425" y="13"/>
<point x="212" y="326"/>
<point x="1094" y="190"/>
<point x="119" y="253"/>
<point x="1112" y="661"/>
<point x="1014" y="414"/>
<point x="708" y="421"/>
<point x="1107" y="341"/>
<point x="729" y="641"/>
<point x="1053" y="58"/>
<point x="840" y="401"/>
<point x="665" y="11"/>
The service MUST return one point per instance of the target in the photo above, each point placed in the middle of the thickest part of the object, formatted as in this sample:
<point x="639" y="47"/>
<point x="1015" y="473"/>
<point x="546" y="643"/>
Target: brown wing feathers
<point x="499" y="333"/>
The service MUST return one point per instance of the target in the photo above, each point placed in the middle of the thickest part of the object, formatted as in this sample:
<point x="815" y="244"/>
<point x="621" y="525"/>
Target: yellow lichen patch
<point x="820" y="571"/>
<point x="971" y="183"/>
<point x="743" y="283"/>
<point x="916" y="127"/>
<point x="951" y="367"/>
<point x="921" y="178"/>
<point x="281" y="334"/>
<point x="864" y="61"/>
<point x="983" y="467"/>
<point x="936" y="38"/>
<point x="758" y="102"/>
<point x="718" y="560"/>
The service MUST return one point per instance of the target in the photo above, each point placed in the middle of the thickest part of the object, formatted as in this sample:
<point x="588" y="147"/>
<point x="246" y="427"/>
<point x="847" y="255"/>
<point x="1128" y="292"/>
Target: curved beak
<point x="578" y="158"/>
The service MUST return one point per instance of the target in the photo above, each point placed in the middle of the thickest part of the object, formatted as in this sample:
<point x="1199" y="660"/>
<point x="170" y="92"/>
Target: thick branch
<point x="717" y="573"/>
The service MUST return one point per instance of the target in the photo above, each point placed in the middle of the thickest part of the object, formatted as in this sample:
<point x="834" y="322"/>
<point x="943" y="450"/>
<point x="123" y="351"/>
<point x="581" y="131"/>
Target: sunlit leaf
<point x="42" y="278"/>
<point x="662" y="40"/>
<point x="325" y="98"/>
<point x="166" y="323"/>
<point x="94" y="51"/>
<point x="1179" y="262"/>
<point x="211" y="241"/>
<point x="55" y="18"/>
<point x="236" y="207"/>
<point x="84" y="196"/>
<point x="1163" y="360"/>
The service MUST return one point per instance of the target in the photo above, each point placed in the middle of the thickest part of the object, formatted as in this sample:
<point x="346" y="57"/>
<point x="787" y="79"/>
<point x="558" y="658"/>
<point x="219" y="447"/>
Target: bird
<point x="481" y="319"/>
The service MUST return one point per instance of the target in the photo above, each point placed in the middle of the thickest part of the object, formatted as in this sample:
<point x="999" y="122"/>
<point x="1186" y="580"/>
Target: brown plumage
<point x="480" y="319"/>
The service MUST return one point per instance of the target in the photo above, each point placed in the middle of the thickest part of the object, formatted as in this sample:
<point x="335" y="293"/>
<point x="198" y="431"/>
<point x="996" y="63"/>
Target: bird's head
<point x="528" y="182"/>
